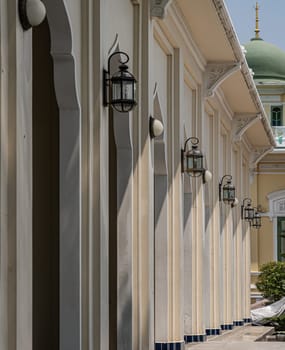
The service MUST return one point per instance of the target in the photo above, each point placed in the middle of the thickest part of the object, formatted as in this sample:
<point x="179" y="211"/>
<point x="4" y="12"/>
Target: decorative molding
<point x="160" y="149"/>
<point x="216" y="73"/>
<point x="257" y="154"/>
<point x="155" y="90"/>
<point x="114" y="46"/>
<point x="276" y="203"/>
<point x="158" y="8"/>
<point x="241" y="122"/>
<point x="178" y="17"/>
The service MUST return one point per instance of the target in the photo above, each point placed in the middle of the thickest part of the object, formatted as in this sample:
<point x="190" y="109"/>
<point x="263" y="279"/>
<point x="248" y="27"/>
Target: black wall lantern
<point x="119" y="89"/>
<point x="192" y="160"/>
<point x="256" y="220"/>
<point x="227" y="192"/>
<point x="247" y="211"/>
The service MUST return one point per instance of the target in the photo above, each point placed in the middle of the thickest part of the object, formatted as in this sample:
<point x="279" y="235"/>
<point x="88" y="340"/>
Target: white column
<point x="212" y="238"/>
<point x="16" y="181"/>
<point x="188" y="251"/>
<point x="177" y="228"/>
<point x="95" y="182"/>
<point x="143" y="223"/>
<point x="238" y="255"/>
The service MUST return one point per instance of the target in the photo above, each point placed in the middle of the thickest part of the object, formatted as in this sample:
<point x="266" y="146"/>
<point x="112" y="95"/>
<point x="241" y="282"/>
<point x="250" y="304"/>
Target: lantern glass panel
<point x="232" y="193"/>
<point x="194" y="163"/>
<point x="128" y="90"/>
<point x="256" y="222"/>
<point x="116" y="90"/>
<point x="229" y="193"/>
<point x="190" y="162"/>
<point x="226" y="194"/>
<point x="123" y="90"/>
<point x="248" y="213"/>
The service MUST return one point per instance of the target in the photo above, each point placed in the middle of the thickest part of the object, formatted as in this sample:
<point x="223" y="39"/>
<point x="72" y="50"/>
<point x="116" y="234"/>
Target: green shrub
<point x="271" y="281"/>
<point x="278" y="322"/>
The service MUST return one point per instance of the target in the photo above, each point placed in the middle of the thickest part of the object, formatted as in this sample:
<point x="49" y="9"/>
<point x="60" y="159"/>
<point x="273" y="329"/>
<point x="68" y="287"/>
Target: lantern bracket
<point x="194" y="140"/>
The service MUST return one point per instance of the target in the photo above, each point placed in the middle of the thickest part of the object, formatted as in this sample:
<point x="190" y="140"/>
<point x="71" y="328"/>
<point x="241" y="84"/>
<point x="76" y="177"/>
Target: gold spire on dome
<point x="257" y="21"/>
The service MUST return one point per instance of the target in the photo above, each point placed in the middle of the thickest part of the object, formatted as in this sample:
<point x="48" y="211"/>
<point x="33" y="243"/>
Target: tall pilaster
<point x="16" y="180"/>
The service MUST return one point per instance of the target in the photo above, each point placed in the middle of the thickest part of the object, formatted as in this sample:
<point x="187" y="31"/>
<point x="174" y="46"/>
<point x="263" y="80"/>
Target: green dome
<point x="266" y="60"/>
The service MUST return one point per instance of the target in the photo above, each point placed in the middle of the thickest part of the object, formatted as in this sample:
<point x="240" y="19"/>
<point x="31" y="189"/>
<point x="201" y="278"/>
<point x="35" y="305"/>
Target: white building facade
<point x="105" y="243"/>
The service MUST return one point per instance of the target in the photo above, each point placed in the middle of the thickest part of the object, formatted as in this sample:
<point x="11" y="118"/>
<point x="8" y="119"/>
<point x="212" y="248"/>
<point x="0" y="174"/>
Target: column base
<point x="227" y="327"/>
<point x="238" y="323"/>
<point x="195" y="338"/>
<point x="213" y="331"/>
<point x="247" y="320"/>
<point x="169" y="346"/>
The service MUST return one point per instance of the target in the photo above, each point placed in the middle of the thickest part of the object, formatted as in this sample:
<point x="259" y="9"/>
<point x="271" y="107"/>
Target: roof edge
<point x="240" y="57"/>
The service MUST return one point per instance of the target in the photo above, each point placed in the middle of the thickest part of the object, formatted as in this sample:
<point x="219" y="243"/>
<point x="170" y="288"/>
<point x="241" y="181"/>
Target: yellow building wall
<point x="262" y="244"/>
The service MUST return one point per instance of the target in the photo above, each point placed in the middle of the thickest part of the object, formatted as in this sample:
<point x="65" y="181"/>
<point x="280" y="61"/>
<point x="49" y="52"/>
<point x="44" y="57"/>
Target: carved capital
<point x="241" y="122"/>
<point x="257" y="154"/>
<point x="216" y="73"/>
<point x="158" y="7"/>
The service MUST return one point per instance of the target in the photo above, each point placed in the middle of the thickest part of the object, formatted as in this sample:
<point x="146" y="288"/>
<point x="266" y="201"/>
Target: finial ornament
<point x="257" y="21"/>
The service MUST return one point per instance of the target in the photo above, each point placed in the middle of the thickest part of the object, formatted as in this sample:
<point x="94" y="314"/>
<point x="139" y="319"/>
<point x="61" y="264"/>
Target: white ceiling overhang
<point x="213" y="32"/>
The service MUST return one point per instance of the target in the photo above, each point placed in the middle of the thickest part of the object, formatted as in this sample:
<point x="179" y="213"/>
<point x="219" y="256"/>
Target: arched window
<point x="276" y="115"/>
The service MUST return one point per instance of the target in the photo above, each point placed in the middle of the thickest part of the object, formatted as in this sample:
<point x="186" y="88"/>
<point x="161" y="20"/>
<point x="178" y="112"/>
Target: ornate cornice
<point x="257" y="154"/>
<point x="241" y="122"/>
<point x="158" y="7"/>
<point x="216" y="73"/>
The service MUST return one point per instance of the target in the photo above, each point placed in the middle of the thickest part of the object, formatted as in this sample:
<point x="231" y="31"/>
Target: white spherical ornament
<point x="207" y="176"/>
<point x="235" y="202"/>
<point x="156" y="127"/>
<point x="36" y="12"/>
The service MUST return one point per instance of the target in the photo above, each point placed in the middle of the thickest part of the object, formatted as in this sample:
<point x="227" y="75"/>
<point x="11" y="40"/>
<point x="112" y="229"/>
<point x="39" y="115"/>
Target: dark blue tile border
<point x="247" y="320"/>
<point x="213" y="331"/>
<point x="227" y="327"/>
<point x="238" y="323"/>
<point x="169" y="346"/>
<point x="195" y="338"/>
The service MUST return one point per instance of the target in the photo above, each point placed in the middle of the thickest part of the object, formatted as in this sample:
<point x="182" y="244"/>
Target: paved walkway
<point x="241" y="338"/>
<point x="238" y="345"/>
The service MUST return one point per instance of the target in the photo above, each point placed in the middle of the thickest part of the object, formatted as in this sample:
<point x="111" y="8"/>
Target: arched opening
<point x="56" y="209"/>
<point x="45" y="195"/>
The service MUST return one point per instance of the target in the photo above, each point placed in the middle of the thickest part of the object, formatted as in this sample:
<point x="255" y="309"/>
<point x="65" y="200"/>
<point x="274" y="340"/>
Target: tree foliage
<point x="271" y="281"/>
